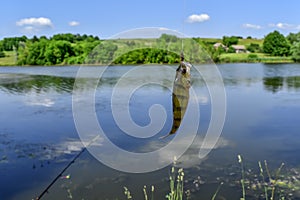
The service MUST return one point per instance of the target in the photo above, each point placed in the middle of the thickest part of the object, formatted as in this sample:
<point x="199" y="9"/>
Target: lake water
<point x="38" y="137"/>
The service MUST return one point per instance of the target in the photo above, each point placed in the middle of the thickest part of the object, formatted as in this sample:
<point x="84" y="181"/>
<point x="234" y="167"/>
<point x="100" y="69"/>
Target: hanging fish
<point x="180" y="96"/>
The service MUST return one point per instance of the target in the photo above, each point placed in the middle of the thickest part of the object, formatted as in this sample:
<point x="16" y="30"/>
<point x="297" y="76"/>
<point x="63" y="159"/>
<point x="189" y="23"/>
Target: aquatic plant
<point x="272" y="183"/>
<point x="176" y="185"/>
<point x="262" y="184"/>
<point x="127" y="193"/>
<point x="240" y="160"/>
<point x="269" y="182"/>
<point x="177" y="192"/>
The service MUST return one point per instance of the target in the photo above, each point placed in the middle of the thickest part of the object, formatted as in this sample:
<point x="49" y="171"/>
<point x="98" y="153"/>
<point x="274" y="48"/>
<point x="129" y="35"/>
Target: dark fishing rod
<point x="61" y="173"/>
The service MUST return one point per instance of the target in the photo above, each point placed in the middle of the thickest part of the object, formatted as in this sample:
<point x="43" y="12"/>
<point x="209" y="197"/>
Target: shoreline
<point x="101" y="65"/>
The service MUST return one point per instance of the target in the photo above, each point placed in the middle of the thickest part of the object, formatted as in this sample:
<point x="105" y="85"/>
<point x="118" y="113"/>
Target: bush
<point x="276" y="44"/>
<point x="295" y="51"/>
<point x="2" y="54"/>
<point x="228" y="41"/>
<point x="252" y="56"/>
<point x="254" y="48"/>
<point x="231" y="50"/>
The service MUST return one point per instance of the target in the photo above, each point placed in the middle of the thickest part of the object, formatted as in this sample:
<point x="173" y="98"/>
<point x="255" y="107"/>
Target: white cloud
<point x="74" y="23"/>
<point x="252" y="26"/>
<point x="198" y="18"/>
<point x="31" y="25"/>
<point x="40" y="22"/>
<point x="163" y="29"/>
<point x="285" y="26"/>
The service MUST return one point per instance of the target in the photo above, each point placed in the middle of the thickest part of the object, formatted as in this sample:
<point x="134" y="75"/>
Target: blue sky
<point x="197" y="18"/>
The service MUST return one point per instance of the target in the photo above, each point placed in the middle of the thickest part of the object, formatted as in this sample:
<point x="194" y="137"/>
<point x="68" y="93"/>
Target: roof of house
<point x="239" y="47"/>
<point x="218" y="44"/>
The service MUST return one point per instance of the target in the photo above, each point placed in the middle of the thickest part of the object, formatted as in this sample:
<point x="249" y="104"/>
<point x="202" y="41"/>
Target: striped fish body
<point x="180" y="95"/>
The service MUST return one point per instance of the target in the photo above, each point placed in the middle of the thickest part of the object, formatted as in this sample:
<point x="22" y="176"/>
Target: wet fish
<point x="180" y="96"/>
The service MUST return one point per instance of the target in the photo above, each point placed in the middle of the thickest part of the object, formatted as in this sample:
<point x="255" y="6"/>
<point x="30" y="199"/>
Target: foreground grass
<point x="263" y="185"/>
<point x="9" y="59"/>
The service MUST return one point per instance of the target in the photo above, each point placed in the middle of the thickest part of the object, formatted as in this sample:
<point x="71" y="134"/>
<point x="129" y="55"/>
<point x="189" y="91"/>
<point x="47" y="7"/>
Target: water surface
<point x="38" y="136"/>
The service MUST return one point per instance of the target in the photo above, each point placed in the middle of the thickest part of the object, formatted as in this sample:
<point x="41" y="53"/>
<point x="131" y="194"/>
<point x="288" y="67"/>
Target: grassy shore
<point x="253" y="58"/>
<point x="10" y="56"/>
<point x="9" y="59"/>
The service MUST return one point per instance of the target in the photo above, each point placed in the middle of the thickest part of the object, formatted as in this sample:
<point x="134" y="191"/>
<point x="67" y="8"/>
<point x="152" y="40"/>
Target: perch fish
<point x="180" y="96"/>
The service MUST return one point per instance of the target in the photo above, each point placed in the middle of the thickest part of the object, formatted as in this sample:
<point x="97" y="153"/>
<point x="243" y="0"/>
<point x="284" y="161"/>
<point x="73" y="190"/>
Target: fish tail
<point x="164" y="137"/>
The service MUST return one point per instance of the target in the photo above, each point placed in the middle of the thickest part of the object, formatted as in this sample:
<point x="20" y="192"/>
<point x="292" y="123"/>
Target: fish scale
<point x="180" y="95"/>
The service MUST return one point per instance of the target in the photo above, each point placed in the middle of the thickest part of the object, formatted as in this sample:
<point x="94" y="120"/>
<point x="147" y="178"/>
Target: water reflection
<point x="190" y="158"/>
<point x="23" y="84"/>
<point x="276" y="84"/>
<point x="273" y="84"/>
<point x="275" y="78"/>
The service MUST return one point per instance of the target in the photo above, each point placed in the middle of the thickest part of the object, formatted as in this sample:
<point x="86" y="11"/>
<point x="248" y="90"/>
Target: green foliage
<point x="147" y="56"/>
<point x="252" y="56"/>
<point x="103" y="53"/>
<point x="74" y="38"/>
<point x="293" y="37"/>
<point x="176" y="185"/>
<point x="231" y="50"/>
<point x="72" y="49"/>
<point x="33" y="53"/>
<point x="254" y="48"/>
<point x="9" y="44"/>
<point x="295" y="51"/>
<point x="60" y="49"/>
<point x="276" y="44"/>
<point x="168" y="38"/>
<point x="228" y="41"/>
<point x="2" y="54"/>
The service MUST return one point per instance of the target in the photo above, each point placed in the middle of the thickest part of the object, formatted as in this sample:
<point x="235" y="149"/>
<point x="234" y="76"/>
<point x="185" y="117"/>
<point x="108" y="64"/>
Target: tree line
<point x="274" y="44"/>
<point x="78" y="49"/>
<point x="58" y="49"/>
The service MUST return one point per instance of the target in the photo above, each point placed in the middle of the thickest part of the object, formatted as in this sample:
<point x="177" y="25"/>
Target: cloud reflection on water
<point x="191" y="157"/>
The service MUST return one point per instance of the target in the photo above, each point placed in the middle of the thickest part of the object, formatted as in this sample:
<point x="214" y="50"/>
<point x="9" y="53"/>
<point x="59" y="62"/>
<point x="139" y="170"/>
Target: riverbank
<point x="10" y="59"/>
<point x="253" y="58"/>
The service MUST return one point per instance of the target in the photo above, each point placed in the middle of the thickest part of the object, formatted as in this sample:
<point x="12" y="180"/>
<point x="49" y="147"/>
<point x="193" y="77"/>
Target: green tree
<point x="276" y="44"/>
<point x="293" y="37"/>
<point x="34" y="39"/>
<point x="2" y="54"/>
<point x="58" y="51"/>
<point x="228" y="41"/>
<point x="66" y="37"/>
<point x="32" y="53"/>
<point x="231" y="50"/>
<point x="168" y="38"/>
<point x="103" y="53"/>
<point x="9" y="44"/>
<point x="254" y="48"/>
<point x="295" y="51"/>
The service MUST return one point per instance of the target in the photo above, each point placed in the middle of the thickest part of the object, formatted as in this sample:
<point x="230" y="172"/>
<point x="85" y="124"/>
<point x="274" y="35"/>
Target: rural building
<point x="218" y="45"/>
<point x="239" y="49"/>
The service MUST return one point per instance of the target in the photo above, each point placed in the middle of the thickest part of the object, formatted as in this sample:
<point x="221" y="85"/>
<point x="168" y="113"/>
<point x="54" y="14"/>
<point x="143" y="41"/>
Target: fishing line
<point x="183" y="21"/>
<point x="69" y="164"/>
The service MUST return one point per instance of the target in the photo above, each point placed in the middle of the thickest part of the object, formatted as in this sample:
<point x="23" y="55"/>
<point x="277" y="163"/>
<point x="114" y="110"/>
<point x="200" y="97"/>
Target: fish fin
<point x="163" y="137"/>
